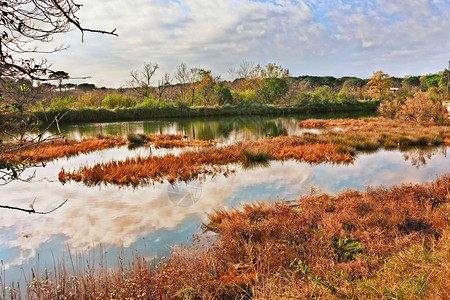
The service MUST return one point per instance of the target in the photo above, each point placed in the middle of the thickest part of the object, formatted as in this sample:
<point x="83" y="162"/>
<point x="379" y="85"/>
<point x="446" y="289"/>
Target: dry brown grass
<point x="379" y="132"/>
<point x="191" y="164"/>
<point x="320" y="123"/>
<point x="65" y="148"/>
<point x="169" y="144"/>
<point x="68" y="147"/>
<point x="378" y="244"/>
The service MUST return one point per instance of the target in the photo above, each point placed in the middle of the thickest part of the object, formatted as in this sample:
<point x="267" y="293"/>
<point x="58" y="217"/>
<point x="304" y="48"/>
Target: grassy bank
<point x="171" y="111"/>
<point x="378" y="244"/>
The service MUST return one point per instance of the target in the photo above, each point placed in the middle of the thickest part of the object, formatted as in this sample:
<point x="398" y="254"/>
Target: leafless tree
<point x="142" y="81"/>
<point x="193" y="78"/>
<point x="245" y="70"/>
<point x="25" y="27"/>
<point x="163" y="83"/>
<point x="182" y="76"/>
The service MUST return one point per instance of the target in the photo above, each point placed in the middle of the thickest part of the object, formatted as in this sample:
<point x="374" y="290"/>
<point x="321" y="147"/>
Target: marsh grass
<point x="190" y="165"/>
<point x="331" y="146"/>
<point x="137" y="139"/>
<point x="375" y="133"/>
<point x="64" y="148"/>
<point x="378" y="244"/>
<point x="252" y="158"/>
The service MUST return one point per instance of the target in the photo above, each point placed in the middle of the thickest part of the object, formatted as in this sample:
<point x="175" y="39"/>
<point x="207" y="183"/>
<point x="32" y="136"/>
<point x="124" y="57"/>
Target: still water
<point x="151" y="219"/>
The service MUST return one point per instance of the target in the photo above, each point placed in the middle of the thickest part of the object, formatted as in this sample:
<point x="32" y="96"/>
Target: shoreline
<point x="141" y="114"/>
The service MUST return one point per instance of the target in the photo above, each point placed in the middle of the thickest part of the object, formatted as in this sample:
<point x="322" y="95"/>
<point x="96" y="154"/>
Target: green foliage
<point x="431" y="80"/>
<point x="274" y="89"/>
<point x="223" y="94"/>
<point x="246" y="97"/>
<point x="346" y="95"/>
<point x="402" y="94"/>
<point x="253" y="157"/>
<point x="181" y="104"/>
<point x="412" y="81"/>
<point x="346" y="249"/>
<point x="305" y="98"/>
<point x="444" y="79"/>
<point x="116" y="100"/>
<point x="352" y="82"/>
<point x="85" y="87"/>
<point x="149" y="102"/>
<point x="62" y="103"/>
<point x="323" y="94"/>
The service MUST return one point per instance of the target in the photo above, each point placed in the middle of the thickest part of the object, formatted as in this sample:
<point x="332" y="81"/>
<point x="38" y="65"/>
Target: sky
<point x="315" y="37"/>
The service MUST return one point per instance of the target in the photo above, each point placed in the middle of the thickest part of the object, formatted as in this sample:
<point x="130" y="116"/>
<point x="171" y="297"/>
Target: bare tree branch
<point x="31" y="210"/>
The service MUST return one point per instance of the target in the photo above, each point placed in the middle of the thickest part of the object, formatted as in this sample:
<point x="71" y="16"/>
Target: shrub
<point x="323" y="94"/>
<point x="137" y="139"/>
<point x="116" y="100"/>
<point x="149" y="102"/>
<point x="422" y="109"/>
<point x="273" y="89"/>
<point x="223" y="94"/>
<point x="63" y="103"/>
<point x="304" y="98"/>
<point x="90" y="99"/>
<point x="346" y="95"/>
<point x="245" y="97"/>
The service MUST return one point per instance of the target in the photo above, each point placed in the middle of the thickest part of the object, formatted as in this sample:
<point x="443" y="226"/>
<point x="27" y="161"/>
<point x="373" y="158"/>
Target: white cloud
<point x="310" y="37"/>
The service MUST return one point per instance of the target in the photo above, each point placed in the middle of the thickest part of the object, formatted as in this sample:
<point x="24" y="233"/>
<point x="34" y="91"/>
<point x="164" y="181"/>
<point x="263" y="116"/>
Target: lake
<point x="112" y="221"/>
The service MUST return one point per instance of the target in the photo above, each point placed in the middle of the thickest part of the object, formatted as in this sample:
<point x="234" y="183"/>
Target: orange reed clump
<point x="191" y="164"/>
<point x="315" y="123"/>
<point x="169" y="144"/>
<point x="64" y="148"/>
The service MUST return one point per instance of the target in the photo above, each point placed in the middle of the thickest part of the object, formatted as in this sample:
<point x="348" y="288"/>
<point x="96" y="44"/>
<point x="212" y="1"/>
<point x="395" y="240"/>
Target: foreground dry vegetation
<point x="379" y="244"/>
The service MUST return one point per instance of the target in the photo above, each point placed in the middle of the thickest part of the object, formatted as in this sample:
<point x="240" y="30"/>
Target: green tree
<point x="206" y="85"/>
<point x="271" y="81"/>
<point x="274" y="88"/>
<point x="223" y="94"/>
<point x="59" y="76"/>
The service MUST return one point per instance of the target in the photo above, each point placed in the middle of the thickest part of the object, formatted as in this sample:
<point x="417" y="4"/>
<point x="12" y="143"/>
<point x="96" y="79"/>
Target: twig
<point x="32" y="210"/>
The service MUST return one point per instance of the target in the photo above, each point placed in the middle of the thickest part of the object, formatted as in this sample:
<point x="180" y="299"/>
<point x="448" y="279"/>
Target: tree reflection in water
<point x="419" y="156"/>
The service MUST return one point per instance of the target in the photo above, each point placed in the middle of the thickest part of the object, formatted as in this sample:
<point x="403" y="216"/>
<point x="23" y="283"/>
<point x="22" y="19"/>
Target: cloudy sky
<point x="314" y="37"/>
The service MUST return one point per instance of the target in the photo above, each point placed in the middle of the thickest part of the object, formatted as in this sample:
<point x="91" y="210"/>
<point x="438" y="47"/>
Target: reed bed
<point x="382" y="133"/>
<point x="206" y="161"/>
<point x="378" y="244"/>
<point x="64" y="148"/>
<point x="182" y="144"/>
<point x="321" y="123"/>
<point x="69" y="147"/>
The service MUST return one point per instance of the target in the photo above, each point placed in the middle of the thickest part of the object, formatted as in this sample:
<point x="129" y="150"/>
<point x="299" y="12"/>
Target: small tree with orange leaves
<point x="379" y="85"/>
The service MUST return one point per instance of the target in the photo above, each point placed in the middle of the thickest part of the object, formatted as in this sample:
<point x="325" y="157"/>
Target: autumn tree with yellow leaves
<point x="379" y="85"/>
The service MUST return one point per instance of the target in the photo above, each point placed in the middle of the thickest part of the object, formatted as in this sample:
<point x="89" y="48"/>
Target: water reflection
<point x="224" y="129"/>
<point x="116" y="217"/>
<point x="419" y="156"/>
